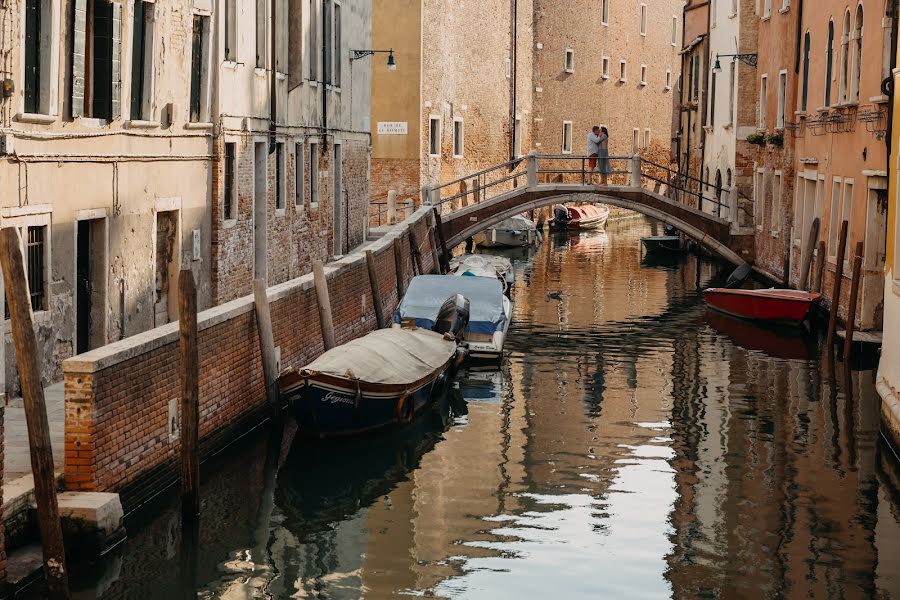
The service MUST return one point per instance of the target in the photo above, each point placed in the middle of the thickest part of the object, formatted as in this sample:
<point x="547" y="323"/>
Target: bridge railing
<point x="478" y="187"/>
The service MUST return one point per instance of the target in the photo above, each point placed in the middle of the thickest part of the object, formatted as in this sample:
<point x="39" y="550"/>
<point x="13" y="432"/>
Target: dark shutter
<point x="102" y="61"/>
<point x="326" y="17"/>
<point x="196" y="62"/>
<point x="137" y="60"/>
<point x="32" y="56"/>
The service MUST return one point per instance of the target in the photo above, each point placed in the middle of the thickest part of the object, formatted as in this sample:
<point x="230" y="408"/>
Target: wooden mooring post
<point x="266" y="340"/>
<point x="376" y="290"/>
<point x="819" y="272"/>
<point x="808" y="255"/>
<point x="416" y="253"/>
<point x="838" y="279"/>
<point x="439" y="225"/>
<point x="324" y="302"/>
<point x="437" y="265"/>
<point x="854" y="299"/>
<point x="190" y="396"/>
<point x="25" y="344"/>
<point x="398" y="269"/>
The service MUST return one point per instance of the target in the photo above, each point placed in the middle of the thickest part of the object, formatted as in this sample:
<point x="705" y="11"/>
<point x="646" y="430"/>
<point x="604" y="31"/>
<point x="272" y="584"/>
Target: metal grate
<point x="35" y="266"/>
<point x="228" y="200"/>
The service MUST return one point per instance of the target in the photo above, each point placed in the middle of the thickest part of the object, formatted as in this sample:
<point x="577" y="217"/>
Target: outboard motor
<point x="453" y="316"/>
<point x="560" y="215"/>
<point x="670" y="230"/>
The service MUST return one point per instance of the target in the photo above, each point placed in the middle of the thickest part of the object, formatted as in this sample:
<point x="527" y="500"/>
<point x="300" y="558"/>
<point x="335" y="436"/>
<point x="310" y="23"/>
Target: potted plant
<point x="775" y="139"/>
<point x="757" y="139"/>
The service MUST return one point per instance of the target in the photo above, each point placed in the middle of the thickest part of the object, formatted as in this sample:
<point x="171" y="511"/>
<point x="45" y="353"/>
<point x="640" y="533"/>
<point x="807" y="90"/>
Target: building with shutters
<point x="142" y="137"/>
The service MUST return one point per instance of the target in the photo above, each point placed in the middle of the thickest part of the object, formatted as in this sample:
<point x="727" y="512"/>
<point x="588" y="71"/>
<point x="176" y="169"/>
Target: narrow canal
<point x="631" y="446"/>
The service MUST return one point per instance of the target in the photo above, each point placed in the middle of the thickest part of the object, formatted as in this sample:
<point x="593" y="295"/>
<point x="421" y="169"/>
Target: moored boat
<point x="485" y="265"/>
<point x="586" y="216"/>
<point x="489" y="316"/>
<point x="778" y="306"/>
<point x="514" y="232"/>
<point x="381" y="380"/>
<point x="663" y="243"/>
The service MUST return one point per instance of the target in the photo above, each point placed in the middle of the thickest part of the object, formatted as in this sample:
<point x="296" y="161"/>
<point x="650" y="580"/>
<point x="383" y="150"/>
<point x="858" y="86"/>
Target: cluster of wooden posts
<point x="818" y="277"/>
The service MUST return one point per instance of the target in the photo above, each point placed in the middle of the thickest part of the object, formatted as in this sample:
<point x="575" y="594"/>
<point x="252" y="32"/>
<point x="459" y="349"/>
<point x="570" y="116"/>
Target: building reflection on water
<point x="629" y="447"/>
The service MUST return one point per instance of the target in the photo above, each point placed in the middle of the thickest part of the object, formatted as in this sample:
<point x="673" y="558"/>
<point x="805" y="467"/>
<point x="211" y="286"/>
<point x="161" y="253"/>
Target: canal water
<point x="631" y="445"/>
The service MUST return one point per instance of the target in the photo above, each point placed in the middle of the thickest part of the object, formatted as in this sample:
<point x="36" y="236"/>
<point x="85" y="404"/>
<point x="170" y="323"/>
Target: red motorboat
<point x="586" y="216"/>
<point x="772" y="305"/>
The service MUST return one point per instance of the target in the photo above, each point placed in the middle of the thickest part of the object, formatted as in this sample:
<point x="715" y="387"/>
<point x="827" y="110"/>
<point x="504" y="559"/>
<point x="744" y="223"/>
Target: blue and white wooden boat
<point x="375" y="382"/>
<point x="489" y="317"/>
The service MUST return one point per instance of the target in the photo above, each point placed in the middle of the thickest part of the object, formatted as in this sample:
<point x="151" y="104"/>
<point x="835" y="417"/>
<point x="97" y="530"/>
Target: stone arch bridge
<point x="478" y="201"/>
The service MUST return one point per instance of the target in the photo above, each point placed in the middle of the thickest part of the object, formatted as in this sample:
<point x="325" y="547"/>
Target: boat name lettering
<point x="335" y="398"/>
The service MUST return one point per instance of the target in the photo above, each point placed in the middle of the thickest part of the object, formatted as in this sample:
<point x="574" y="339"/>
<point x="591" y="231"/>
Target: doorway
<point x="338" y="200"/>
<point x="165" y="308"/>
<point x="260" y="203"/>
<point x="90" y="285"/>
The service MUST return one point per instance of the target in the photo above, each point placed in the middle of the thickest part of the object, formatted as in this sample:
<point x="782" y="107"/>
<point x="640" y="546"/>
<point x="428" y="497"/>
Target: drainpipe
<point x="273" y="95"/>
<point x="512" y="109"/>
<point x="325" y="87"/>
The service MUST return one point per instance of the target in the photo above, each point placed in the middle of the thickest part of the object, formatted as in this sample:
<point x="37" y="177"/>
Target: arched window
<point x="857" y="42"/>
<point x="829" y="62"/>
<point x="806" y="50"/>
<point x="719" y="186"/>
<point x="844" y="94"/>
<point x="728" y="178"/>
<point x="706" y="179"/>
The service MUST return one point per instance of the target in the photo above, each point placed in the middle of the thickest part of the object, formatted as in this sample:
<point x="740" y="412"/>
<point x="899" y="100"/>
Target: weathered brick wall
<point x="2" y="529"/>
<point x="117" y="397"/>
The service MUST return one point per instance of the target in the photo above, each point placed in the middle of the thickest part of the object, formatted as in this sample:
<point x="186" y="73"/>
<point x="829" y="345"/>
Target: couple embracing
<point x="598" y="153"/>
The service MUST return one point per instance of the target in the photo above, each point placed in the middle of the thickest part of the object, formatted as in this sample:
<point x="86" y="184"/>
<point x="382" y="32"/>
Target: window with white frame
<point x="517" y="137"/>
<point x="567" y="137"/>
<point x="570" y="60"/>
<point x="229" y="190"/>
<point x="782" y="98"/>
<point x="509" y="68"/>
<point x="643" y="75"/>
<point x="434" y="136"/>
<point x="668" y="79"/>
<point x="328" y="42"/>
<point x="643" y="19"/>
<point x="279" y="176"/>
<point x="646" y="143"/>
<point x="623" y="71"/>
<point x="97" y="61"/>
<point x="231" y="27"/>
<point x="777" y="199"/>
<point x="312" y="51"/>
<point x="34" y="230"/>
<point x="767" y="8"/>
<point x="142" y="46"/>
<point x="40" y="44"/>
<point x="262" y="34"/>
<point x="763" y="96"/>
<point x="200" y="71"/>
<point x="759" y="196"/>
<point x="635" y="140"/>
<point x="313" y="174"/>
<point x="834" y="215"/>
<point x="604" y="12"/>
<point x="674" y="30"/>
<point x="604" y="68"/>
<point x="847" y="210"/>
<point x="458" y="132"/>
<point x="713" y="12"/>
<point x="299" y="164"/>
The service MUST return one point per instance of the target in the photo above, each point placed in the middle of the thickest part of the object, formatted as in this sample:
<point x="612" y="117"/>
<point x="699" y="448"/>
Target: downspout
<point x="799" y="44"/>
<point x="273" y="92"/>
<point x="512" y="109"/>
<point x="325" y="87"/>
<point x="892" y="15"/>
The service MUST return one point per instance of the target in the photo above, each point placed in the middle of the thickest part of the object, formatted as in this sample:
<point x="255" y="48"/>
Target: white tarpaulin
<point x="387" y="356"/>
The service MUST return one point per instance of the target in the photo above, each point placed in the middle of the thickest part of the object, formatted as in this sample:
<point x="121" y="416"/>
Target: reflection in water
<point x="631" y="446"/>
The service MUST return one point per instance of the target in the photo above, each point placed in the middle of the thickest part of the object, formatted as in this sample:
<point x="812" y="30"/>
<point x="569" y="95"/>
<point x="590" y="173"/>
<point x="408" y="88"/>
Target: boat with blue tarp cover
<point x="489" y="317"/>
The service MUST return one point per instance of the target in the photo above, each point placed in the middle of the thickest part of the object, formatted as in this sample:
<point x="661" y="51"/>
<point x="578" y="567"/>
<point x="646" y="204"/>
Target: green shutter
<point x="78" y="48"/>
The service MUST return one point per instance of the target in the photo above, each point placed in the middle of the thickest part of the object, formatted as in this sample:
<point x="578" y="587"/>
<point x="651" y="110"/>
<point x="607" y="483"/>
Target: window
<point x="458" y="142"/>
<point x="517" y="137"/>
<point x="35" y="255"/>
<point x="674" y="30"/>
<point x="142" y="61"/>
<point x="313" y="50"/>
<point x="833" y="221"/>
<point x="40" y="40"/>
<point x="434" y="136"/>
<point x="804" y="102"/>
<point x="711" y="114"/>
<point x="731" y="82"/>
<point x="767" y="8"/>
<point x="844" y="86"/>
<point x="262" y="32"/>
<point x="604" y="68"/>
<point x="298" y="175"/>
<point x="696" y="75"/>
<point x="509" y="68"/>
<point x="857" y="55"/>
<point x="643" y="19"/>
<point x="623" y="71"/>
<point x="96" y="64"/>
<point x="713" y="12"/>
<point x="570" y="60"/>
<point x="337" y="45"/>
<point x="759" y="196"/>
<point x="782" y="95"/>
<point x="847" y="211"/>
<point x="567" y="137"/>
<point x="763" y="96"/>
<point x="643" y="75"/>
<point x="668" y="79"/>
<point x="200" y="70"/>
<point x="829" y="62"/>
<point x="327" y="25"/>
<point x="229" y="196"/>
<point x="646" y="139"/>
<point x="313" y="174"/>
<point x="604" y="12"/>
<point x="279" y="176"/>
<point x="785" y="5"/>
<point x="33" y="24"/>
<point x="734" y="8"/>
<point x="231" y="25"/>
<point x="635" y="140"/>
<point x="776" y="202"/>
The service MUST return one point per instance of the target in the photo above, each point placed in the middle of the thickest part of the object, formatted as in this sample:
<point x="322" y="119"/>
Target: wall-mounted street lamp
<point x="391" y="63"/>
<point x="747" y="59"/>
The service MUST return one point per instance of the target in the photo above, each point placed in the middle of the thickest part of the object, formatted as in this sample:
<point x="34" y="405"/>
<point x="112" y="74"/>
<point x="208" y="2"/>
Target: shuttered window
<point x="196" y="67"/>
<point x="35" y="256"/>
<point x="32" y="56"/>
<point x="96" y="61"/>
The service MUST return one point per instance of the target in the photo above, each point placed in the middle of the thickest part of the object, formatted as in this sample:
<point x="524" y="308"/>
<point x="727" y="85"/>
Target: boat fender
<point x="404" y="409"/>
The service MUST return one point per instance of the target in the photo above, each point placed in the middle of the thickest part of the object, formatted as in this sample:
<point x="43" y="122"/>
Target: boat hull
<point x="328" y="407"/>
<point x="499" y="238"/>
<point x="663" y="244"/>
<point x="772" y="306"/>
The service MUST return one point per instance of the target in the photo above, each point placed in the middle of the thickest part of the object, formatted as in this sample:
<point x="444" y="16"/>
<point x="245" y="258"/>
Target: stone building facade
<point x="139" y="141"/>
<point x="689" y="139"/>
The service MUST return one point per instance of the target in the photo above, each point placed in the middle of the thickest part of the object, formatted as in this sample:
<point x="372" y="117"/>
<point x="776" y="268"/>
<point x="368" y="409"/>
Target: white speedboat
<point x="485" y="265"/>
<point x="514" y="232"/>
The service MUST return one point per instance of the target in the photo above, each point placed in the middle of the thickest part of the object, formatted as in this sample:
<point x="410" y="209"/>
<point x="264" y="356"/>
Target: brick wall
<point x="117" y="397"/>
<point x="2" y="529"/>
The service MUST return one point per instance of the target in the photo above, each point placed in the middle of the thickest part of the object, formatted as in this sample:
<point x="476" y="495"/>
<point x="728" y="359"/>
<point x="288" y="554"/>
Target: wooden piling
<point x="25" y="343"/>
<point x="376" y="290"/>
<point x="854" y="299"/>
<point x="416" y="254"/>
<point x="398" y="269"/>
<point x="445" y="255"/>
<point x="436" y="264"/>
<point x="819" y="272"/>
<point x="266" y="340"/>
<point x="190" y="396"/>
<point x="811" y="242"/>
<point x="324" y="302"/>
<point x="838" y="278"/>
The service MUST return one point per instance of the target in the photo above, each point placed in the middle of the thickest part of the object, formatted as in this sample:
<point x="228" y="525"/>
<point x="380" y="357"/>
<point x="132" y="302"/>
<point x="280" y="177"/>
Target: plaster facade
<point x="689" y="138"/>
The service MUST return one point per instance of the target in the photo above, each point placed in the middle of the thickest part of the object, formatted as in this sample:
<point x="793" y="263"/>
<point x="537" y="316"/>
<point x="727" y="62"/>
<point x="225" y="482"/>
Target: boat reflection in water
<point x="778" y="342"/>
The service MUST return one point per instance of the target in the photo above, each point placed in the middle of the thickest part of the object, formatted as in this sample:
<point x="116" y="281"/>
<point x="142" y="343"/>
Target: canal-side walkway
<point x="16" y="453"/>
